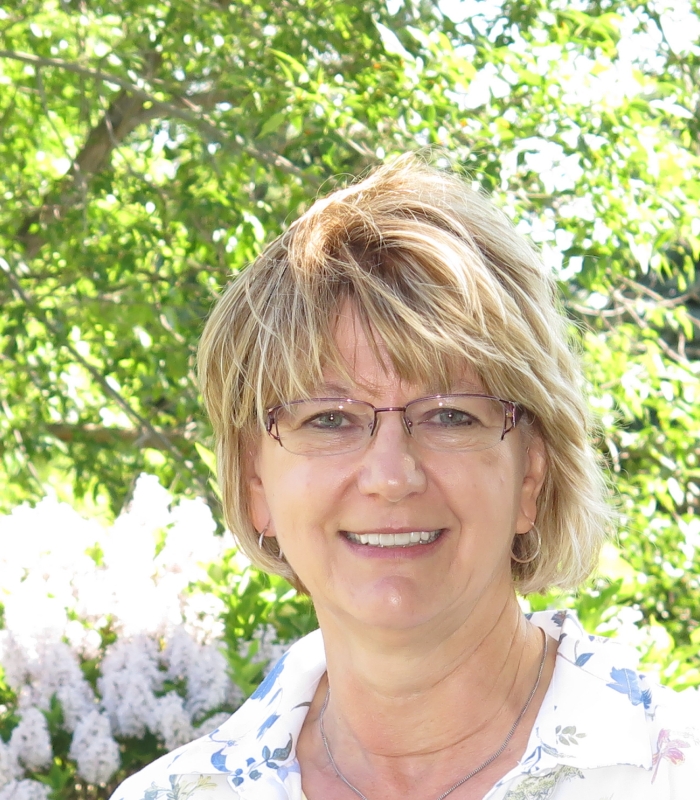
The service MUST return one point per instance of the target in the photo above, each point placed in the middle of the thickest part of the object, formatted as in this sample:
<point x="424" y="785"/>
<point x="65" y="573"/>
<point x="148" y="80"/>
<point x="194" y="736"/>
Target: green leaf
<point x="272" y="124"/>
<point x="207" y="456"/>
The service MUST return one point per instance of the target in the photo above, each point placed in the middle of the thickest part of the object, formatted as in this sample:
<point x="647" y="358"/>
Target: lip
<point x="390" y="529"/>
<point x="394" y="553"/>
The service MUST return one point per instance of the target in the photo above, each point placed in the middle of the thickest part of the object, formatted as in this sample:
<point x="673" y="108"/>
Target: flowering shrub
<point x="120" y="643"/>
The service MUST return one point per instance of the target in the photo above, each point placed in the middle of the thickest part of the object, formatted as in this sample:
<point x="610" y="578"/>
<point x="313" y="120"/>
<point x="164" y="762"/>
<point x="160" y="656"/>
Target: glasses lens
<point x="324" y="427"/>
<point x="457" y="422"/>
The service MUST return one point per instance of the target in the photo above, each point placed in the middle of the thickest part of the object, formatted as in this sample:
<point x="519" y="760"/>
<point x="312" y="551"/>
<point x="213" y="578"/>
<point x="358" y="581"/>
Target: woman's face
<point x="477" y="500"/>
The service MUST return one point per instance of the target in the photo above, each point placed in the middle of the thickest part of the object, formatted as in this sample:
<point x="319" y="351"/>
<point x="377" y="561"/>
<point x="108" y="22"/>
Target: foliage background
<point x="149" y="149"/>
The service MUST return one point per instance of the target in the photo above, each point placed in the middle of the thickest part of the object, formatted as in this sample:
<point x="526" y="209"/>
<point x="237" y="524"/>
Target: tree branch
<point x="184" y="108"/>
<point x="118" y="121"/>
<point x="111" y="436"/>
<point x="692" y="293"/>
<point x="628" y="305"/>
<point x="69" y="66"/>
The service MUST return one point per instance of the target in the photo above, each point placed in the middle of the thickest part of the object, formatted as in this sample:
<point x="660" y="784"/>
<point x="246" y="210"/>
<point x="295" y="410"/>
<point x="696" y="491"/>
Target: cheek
<point x="288" y="491"/>
<point x="300" y="491"/>
<point x="481" y="488"/>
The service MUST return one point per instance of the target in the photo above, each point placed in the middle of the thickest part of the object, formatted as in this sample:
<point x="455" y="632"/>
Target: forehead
<point x="368" y="366"/>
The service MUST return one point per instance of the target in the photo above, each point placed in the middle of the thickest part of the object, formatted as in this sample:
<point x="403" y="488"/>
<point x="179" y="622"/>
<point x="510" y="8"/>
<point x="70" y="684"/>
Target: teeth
<point x="394" y="539"/>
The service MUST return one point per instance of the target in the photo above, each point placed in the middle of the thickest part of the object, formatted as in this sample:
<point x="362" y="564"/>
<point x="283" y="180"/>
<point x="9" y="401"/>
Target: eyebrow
<point x="467" y="387"/>
<point x="339" y="390"/>
<point x="333" y="390"/>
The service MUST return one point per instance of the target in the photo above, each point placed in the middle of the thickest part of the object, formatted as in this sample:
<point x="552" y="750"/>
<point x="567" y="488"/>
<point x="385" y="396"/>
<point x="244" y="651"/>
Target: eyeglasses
<point x="328" y="426"/>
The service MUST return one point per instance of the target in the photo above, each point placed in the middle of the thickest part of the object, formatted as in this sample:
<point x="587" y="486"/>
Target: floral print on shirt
<point x="671" y="746"/>
<point x="541" y="787"/>
<point x="178" y="788"/>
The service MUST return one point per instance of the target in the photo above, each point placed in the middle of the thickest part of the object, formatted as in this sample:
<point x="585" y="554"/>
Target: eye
<point x="327" y="420"/>
<point x="450" y="418"/>
<point x="453" y="417"/>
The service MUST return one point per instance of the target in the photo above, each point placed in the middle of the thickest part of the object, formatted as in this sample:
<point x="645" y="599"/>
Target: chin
<point x="394" y="603"/>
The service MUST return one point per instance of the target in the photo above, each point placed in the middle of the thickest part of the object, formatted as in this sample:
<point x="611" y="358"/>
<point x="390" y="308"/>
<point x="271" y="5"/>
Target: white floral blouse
<point x="603" y="732"/>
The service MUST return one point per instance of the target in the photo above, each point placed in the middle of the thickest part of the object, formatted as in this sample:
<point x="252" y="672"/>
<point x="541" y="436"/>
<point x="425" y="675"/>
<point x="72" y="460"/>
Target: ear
<point x="257" y="499"/>
<point x="535" y="471"/>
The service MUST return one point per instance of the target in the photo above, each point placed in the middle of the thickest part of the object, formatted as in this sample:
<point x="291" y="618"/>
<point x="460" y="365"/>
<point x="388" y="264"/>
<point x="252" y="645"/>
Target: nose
<point x="389" y="467"/>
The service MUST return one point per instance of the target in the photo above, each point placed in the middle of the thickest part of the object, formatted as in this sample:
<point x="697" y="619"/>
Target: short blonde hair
<point x="440" y="275"/>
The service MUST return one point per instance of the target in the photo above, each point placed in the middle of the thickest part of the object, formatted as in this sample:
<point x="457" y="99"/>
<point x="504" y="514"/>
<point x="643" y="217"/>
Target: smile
<point x="394" y="539"/>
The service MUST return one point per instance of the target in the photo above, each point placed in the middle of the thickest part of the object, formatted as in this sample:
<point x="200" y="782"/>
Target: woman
<point x="401" y="433"/>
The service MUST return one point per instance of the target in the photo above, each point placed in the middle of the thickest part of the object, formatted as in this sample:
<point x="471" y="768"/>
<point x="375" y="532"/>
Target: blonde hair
<point x="441" y="277"/>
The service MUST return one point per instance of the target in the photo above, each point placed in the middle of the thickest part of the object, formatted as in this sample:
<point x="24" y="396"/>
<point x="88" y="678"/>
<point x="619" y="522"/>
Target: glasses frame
<point x="511" y="417"/>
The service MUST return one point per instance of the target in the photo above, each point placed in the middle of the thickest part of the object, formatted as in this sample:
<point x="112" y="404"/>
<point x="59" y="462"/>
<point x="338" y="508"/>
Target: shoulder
<point x="617" y="717"/>
<point x="258" y="738"/>
<point x="189" y="772"/>
<point x="669" y="707"/>
<point x="164" y="780"/>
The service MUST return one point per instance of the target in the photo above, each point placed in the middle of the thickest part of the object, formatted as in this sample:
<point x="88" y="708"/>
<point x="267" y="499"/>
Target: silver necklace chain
<point x="469" y="775"/>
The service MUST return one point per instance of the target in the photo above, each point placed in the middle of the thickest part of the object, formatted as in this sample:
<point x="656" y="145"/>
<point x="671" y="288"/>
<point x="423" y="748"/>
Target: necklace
<point x="471" y="774"/>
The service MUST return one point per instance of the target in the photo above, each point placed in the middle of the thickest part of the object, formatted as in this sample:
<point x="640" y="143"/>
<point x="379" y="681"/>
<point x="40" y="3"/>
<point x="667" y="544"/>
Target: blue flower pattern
<point x="270" y="680"/>
<point x="626" y="682"/>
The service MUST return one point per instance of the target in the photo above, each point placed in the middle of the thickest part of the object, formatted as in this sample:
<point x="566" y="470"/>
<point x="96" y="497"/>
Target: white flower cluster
<point x="65" y="582"/>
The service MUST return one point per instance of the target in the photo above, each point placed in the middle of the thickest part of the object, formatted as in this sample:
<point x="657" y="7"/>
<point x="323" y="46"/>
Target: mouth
<point x="387" y="540"/>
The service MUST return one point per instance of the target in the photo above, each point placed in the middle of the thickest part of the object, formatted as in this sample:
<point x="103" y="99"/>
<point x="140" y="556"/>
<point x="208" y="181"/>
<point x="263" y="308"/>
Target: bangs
<point x="414" y="308"/>
<point x="427" y="298"/>
<point x="299" y="370"/>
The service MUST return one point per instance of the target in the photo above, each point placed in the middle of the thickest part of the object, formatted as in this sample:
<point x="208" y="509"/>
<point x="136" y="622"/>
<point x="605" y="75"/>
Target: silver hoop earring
<point x="262" y="536"/>
<point x="538" y="547"/>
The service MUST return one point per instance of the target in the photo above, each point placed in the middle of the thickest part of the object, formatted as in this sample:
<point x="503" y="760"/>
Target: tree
<point x="149" y="150"/>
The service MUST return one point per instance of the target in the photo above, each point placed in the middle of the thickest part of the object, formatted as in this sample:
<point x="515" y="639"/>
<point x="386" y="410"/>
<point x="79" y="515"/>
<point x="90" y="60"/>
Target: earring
<point x="538" y="547"/>
<point x="262" y="536"/>
<point x="280" y="554"/>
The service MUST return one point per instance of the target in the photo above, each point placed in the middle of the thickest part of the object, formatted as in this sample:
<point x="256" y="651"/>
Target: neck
<point x="454" y="682"/>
